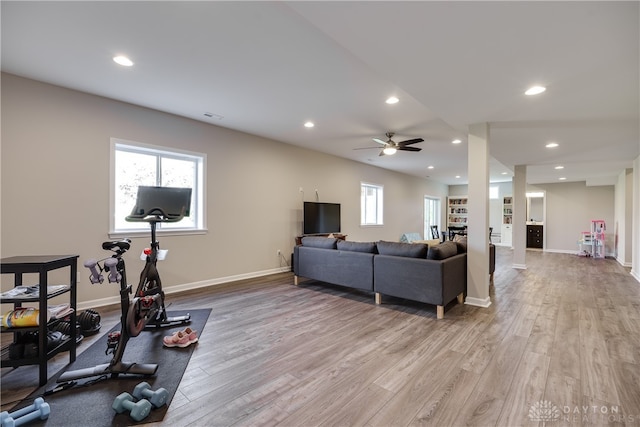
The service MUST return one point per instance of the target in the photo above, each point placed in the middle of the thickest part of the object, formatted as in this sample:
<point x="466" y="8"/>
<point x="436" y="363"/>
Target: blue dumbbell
<point x="38" y="410"/>
<point x="137" y="410"/>
<point x="156" y="397"/>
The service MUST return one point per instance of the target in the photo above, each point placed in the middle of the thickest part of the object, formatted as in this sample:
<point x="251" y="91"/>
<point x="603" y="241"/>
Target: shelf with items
<point x="507" y="210"/>
<point x="506" y="229"/>
<point x="592" y="242"/>
<point x="39" y="316"/>
<point x="457" y="213"/>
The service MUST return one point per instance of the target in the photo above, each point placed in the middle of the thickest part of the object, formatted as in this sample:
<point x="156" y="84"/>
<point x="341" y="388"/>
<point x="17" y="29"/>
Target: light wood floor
<point x="565" y="332"/>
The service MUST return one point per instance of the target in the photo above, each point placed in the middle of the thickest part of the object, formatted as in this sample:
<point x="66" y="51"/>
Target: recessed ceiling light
<point x="559" y="167"/>
<point x="309" y="124"/>
<point x="429" y="167"/>
<point x="535" y="90"/>
<point x="504" y="173"/>
<point x="392" y="100"/>
<point x="552" y="145"/>
<point x="457" y="176"/>
<point x="562" y="178"/>
<point x="456" y="141"/>
<point x="123" y="60"/>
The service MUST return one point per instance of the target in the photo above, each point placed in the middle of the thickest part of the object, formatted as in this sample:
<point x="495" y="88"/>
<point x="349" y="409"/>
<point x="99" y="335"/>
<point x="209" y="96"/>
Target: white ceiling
<point x="267" y="67"/>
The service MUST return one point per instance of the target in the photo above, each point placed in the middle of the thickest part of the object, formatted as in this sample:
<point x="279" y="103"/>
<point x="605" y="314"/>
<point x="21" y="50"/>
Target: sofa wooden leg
<point x="378" y="298"/>
<point x="295" y="280"/>
<point x="461" y="298"/>
<point x="440" y="312"/>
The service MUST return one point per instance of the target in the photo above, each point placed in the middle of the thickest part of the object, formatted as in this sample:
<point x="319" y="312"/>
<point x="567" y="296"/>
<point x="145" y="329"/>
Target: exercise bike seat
<point x="117" y="245"/>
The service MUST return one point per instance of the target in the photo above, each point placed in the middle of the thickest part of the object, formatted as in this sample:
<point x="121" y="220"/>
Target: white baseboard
<point x="504" y="245"/>
<point x="519" y="266"/>
<point x="186" y="286"/>
<point x="635" y="275"/>
<point x="624" y="264"/>
<point x="478" y="302"/>
<point x="562" y="251"/>
<point x="574" y="252"/>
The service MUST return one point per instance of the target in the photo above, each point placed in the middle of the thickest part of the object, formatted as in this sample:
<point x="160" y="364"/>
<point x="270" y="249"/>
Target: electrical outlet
<point x="278" y="252"/>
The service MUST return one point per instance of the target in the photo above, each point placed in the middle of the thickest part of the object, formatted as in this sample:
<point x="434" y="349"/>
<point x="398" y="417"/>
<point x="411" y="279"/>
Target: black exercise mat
<point x="91" y="405"/>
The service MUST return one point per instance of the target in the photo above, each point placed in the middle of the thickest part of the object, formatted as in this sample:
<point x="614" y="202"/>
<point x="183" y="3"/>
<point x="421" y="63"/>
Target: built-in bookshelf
<point x="507" y="210"/>
<point x="457" y="214"/>
<point x="506" y="231"/>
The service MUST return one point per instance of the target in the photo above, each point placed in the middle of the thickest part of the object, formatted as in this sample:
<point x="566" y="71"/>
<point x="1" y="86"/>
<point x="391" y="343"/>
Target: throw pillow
<point x="462" y="244"/>
<point x="367" y="247"/>
<point x="459" y="238"/>
<point x="319" y="242"/>
<point x="442" y="251"/>
<point x="410" y="250"/>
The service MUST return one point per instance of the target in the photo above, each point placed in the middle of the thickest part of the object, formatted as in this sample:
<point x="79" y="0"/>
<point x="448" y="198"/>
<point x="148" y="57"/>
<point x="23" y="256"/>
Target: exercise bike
<point x="146" y="309"/>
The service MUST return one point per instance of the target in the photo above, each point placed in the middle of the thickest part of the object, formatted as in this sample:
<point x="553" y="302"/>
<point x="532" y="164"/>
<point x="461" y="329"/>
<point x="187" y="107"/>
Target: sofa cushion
<point x="319" y="242"/>
<point x="410" y="250"/>
<point x="367" y="247"/>
<point x="442" y="251"/>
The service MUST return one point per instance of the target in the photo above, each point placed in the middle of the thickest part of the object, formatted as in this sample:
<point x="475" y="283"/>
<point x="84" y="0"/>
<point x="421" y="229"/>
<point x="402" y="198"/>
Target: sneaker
<point x="178" y="339"/>
<point x="193" y="335"/>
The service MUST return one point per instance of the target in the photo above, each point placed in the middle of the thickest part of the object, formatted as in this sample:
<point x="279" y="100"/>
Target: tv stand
<point x="336" y="235"/>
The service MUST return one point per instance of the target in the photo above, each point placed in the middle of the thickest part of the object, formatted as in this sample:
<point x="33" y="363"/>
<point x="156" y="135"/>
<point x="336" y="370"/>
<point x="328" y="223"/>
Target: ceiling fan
<point x="390" y="147"/>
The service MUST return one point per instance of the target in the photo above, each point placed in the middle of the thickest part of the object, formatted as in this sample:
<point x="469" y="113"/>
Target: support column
<point x="520" y="217"/>
<point x="635" y="226"/>
<point x="478" y="220"/>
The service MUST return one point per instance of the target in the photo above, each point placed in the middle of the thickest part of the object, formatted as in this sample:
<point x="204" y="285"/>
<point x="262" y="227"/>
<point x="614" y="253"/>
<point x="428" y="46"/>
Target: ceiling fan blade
<point x="379" y="141"/>
<point x="381" y="153"/>
<point x="411" y="141"/>
<point x="409" y="148"/>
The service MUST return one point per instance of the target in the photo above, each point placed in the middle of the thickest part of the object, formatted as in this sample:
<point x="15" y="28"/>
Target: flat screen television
<point x="320" y="218"/>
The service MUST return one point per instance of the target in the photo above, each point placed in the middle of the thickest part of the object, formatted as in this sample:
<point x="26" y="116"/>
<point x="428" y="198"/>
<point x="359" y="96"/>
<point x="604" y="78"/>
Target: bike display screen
<point x="165" y="201"/>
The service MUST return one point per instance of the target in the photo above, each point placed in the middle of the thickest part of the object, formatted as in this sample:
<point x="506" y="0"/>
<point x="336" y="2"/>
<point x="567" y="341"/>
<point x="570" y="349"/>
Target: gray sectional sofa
<point x="335" y="261"/>
<point x="433" y="275"/>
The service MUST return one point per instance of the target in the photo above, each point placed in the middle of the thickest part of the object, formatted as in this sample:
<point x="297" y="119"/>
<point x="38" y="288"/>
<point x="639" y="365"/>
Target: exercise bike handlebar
<point x="156" y="215"/>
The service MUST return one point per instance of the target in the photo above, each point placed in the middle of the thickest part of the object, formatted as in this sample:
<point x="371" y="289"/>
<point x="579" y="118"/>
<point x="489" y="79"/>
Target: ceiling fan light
<point x="389" y="151"/>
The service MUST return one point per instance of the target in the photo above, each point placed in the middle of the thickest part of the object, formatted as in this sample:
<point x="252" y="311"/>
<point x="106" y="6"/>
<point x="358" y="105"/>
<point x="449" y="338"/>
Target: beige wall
<point x="570" y="208"/>
<point x="55" y="188"/>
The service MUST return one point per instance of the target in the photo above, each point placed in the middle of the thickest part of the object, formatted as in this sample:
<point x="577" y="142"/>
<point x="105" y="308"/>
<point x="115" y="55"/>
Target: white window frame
<point x="198" y="193"/>
<point x="437" y="212"/>
<point x="379" y="205"/>
<point x="494" y="192"/>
